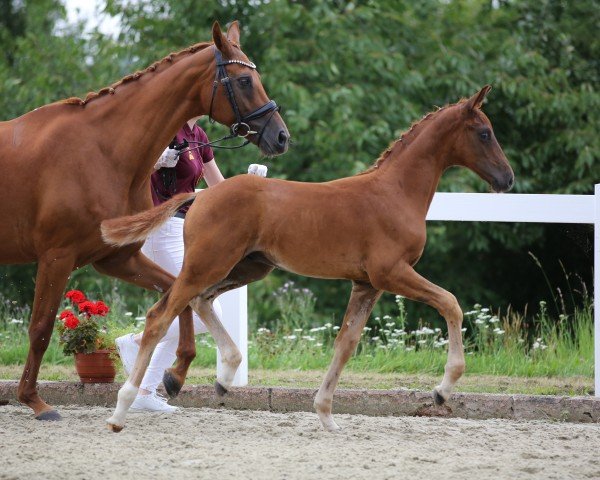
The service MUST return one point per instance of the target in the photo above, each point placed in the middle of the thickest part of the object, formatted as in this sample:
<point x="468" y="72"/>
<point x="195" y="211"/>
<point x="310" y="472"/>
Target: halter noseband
<point x="241" y="127"/>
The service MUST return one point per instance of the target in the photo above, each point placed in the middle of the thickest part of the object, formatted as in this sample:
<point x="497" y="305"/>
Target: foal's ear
<point x="221" y="41"/>
<point x="233" y="33"/>
<point x="477" y="100"/>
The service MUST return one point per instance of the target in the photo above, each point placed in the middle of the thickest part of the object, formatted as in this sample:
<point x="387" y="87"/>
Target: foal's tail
<point x="135" y="228"/>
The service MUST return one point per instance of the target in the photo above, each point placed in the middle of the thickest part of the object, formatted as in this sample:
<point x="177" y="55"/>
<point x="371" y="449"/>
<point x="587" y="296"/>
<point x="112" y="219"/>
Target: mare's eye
<point x="485" y="135"/>
<point x="245" y="81"/>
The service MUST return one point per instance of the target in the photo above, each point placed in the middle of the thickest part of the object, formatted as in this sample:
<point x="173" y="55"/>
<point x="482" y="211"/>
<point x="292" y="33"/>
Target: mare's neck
<point x="144" y="115"/>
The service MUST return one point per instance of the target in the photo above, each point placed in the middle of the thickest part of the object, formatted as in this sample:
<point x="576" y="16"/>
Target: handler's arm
<point x="212" y="174"/>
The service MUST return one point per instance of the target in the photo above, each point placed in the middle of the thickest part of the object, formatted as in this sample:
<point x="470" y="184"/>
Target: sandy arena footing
<point x="232" y="444"/>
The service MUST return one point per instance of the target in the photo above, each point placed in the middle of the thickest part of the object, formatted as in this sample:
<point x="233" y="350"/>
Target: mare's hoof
<point x="49" y="416"/>
<point x="437" y="398"/>
<point x="172" y="385"/>
<point x="220" y="389"/>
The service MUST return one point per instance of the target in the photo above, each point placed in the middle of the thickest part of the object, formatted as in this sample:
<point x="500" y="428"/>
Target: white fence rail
<point x="466" y="207"/>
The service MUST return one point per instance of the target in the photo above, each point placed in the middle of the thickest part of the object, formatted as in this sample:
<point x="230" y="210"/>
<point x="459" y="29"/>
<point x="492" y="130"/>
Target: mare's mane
<point x="134" y="76"/>
<point x="402" y="139"/>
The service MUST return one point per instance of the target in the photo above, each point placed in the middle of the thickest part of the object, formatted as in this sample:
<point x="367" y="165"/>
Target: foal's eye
<point x="245" y="81"/>
<point x="485" y="135"/>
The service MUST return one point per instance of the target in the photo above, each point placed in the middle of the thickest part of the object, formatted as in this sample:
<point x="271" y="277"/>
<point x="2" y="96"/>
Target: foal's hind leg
<point x="134" y="267"/>
<point x="362" y="300"/>
<point x="158" y="319"/>
<point x="230" y="354"/>
<point x="406" y="282"/>
<point x="246" y="271"/>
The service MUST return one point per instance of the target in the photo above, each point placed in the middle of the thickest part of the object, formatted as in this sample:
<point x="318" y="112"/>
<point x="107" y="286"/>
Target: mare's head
<point x="476" y="146"/>
<point x="238" y="99"/>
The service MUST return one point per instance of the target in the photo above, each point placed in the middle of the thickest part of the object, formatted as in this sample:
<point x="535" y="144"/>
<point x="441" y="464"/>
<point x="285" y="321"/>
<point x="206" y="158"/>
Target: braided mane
<point x="403" y="137"/>
<point x="169" y="59"/>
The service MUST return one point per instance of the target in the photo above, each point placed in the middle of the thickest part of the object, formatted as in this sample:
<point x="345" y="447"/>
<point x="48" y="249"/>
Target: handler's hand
<point x="168" y="159"/>
<point x="258" y="170"/>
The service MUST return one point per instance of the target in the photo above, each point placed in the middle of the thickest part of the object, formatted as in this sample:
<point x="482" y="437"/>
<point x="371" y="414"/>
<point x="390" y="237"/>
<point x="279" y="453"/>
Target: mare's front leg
<point x="54" y="268"/>
<point x="403" y="280"/>
<point x="362" y="301"/>
<point x="138" y="269"/>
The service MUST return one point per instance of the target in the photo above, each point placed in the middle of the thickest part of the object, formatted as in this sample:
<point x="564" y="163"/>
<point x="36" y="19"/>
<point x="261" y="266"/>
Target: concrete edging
<point x="365" y="402"/>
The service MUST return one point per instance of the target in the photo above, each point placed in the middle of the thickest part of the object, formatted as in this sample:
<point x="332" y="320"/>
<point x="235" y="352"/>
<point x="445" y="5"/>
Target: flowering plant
<point x="78" y="328"/>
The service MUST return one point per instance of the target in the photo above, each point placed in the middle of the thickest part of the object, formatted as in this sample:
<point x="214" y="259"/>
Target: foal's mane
<point x="169" y="59"/>
<point x="402" y="139"/>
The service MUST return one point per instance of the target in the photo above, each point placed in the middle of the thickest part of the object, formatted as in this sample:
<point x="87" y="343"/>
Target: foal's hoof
<point x="172" y="385"/>
<point x="329" y="423"/>
<point x="113" y="427"/>
<point x="438" y="399"/>
<point x="220" y="389"/>
<point x="49" y="416"/>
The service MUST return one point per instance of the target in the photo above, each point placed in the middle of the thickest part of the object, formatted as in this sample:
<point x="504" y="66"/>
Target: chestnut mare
<point x="369" y="228"/>
<point x="69" y="165"/>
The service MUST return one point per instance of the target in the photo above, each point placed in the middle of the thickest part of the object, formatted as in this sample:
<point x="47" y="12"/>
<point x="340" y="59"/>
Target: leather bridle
<point x="241" y="127"/>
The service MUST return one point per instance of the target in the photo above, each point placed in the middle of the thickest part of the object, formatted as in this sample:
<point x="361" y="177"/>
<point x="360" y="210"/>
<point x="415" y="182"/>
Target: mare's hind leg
<point x="53" y="272"/>
<point x="362" y="301"/>
<point x="248" y="270"/>
<point x="406" y="282"/>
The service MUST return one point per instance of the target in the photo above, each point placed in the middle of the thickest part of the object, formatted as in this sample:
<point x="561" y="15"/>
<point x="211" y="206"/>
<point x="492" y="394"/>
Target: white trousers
<point x="165" y="248"/>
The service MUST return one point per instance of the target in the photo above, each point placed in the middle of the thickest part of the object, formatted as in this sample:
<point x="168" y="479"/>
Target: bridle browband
<point x="241" y="127"/>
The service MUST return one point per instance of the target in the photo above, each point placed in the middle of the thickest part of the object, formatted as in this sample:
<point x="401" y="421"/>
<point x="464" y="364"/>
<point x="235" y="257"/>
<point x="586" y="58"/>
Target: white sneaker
<point x="152" y="402"/>
<point x="128" y="351"/>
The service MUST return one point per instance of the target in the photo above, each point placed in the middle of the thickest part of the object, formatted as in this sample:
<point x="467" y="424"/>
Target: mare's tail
<point x="135" y="228"/>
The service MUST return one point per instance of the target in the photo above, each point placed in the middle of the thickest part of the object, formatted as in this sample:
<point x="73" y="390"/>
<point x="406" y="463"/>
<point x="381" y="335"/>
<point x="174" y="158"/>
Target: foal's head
<point x="476" y="146"/>
<point x="237" y="97"/>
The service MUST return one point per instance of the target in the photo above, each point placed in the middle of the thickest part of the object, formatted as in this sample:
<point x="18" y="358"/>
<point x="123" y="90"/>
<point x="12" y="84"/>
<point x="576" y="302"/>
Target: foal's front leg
<point x="362" y="301"/>
<point x="403" y="280"/>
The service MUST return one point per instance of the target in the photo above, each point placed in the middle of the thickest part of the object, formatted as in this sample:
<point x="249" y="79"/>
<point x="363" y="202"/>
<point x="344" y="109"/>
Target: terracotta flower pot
<point x="95" y="367"/>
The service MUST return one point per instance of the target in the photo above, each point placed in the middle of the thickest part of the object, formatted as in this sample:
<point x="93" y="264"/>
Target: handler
<point x="188" y="159"/>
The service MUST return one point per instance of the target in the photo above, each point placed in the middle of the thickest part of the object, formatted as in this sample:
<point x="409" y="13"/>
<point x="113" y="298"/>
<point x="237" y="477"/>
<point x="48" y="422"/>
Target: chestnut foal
<point x="74" y="163"/>
<point x="369" y="228"/>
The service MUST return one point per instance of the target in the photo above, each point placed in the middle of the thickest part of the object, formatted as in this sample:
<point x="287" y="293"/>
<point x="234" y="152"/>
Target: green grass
<point x="572" y="385"/>
<point x="495" y="345"/>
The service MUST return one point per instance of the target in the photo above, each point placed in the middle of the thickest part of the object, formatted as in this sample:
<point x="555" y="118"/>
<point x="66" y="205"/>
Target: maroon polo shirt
<point x="189" y="169"/>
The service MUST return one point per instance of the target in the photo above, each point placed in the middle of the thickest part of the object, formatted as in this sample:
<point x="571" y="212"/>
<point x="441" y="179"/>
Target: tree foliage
<point x="351" y="76"/>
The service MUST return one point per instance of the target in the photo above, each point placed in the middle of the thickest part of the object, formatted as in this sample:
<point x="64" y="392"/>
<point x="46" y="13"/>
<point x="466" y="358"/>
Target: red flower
<point x="69" y="319"/>
<point x="75" y="296"/>
<point x="87" y="307"/>
<point x="101" y="308"/>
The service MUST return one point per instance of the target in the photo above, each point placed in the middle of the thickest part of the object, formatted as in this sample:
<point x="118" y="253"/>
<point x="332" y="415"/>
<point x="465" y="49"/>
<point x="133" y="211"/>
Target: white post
<point x="235" y="320"/>
<point x="597" y="292"/>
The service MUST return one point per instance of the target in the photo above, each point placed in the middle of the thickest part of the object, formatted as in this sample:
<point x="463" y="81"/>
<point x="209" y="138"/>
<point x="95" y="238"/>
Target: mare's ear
<point x="477" y="100"/>
<point x="221" y="41"/>
<point x="233" y="33"/>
